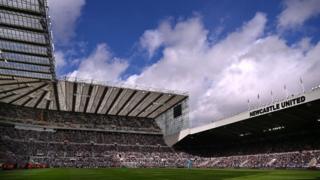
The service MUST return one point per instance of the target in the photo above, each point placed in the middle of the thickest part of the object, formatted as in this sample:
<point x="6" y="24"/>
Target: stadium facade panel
<point x="86" y="97"/>
<point x="64" y="123"/>
<point x="27" y="75"/>
<point x="113" y="100"/>
<point x="295" y="119"/>
<point x="26" y="48"/>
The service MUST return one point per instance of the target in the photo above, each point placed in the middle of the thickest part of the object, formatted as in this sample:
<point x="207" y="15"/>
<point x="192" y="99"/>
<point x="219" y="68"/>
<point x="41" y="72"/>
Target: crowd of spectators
<point x="72" y="139"/>
<point x="83" y="136"/>
<point x="75" y="120"/>
<point x="104" y="149"/>
<point x="296" y="159"/>
<point x="86" y="149"/>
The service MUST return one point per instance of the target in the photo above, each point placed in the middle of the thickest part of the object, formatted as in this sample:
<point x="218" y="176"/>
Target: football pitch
<point x="157" y="174"/>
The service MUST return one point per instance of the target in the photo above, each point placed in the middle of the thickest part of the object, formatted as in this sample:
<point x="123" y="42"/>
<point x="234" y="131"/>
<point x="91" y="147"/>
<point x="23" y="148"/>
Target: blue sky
<point x="212" y="49"/>
<point x="121" y="23"/>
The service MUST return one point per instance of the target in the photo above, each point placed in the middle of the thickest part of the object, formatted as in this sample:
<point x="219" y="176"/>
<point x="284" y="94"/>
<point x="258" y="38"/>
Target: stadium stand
<point x="75" y="120"/>
<point x="47" y="122"/>
<point x="24" y="143"/>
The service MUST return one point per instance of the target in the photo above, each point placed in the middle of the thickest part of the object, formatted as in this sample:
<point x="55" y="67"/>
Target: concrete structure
<point x="297" y="114"/>
<point x="27" y="75"/>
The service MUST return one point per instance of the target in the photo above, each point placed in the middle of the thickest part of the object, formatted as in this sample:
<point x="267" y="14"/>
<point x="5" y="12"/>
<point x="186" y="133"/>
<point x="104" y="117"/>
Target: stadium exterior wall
<point x="276" y="106"/>
<point x="172" y="126"/>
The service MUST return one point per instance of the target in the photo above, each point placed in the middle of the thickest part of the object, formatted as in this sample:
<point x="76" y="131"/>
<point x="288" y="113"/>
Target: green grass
<point x="157" y="174"/>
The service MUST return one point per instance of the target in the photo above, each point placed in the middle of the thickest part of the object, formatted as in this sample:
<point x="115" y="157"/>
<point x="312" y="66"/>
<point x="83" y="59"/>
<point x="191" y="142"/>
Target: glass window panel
<point x="22" y="66"/>
<point x="25" y="58"/>
<point x="25" y="74"/>
<point x="28" y="5"/>
<point x="19" y="47"/>
<point x="22" y="35"/>
<point x="20" y="19"/>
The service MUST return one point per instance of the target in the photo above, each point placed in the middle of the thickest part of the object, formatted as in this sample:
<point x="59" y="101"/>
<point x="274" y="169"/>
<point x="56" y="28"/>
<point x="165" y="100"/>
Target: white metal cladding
<point x="69" y="95"/>
<point x="172" y="102"/>
<point x="22" y="101"/>
<point x="27" y="75"/>
<point x="92" y="98"/>
<point x="27" y="92"/>
<point x="8" y="91"/>
<point x="44" y="100"/>
<point x="313" y="95"/>
<point x="155" y="105"/>
<point x="119" y="103"/>
<point x="110" y="96"/>
<point x="132" y="103"/>
<point x="95" y="97"/>
<point x="18" y="93"/>
<point x="62" y="95"/>
<point x="79" y="99"/>
<point x="171" y="125"/>
<point x="146" y="102"/>
<point x="36" y="97"/>
<point x="83" y="97"/>
<point x="103" y="107"/>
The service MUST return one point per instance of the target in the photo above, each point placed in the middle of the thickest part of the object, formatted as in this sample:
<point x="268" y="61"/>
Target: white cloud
<point x="64" y="15"/>
<point x="183" y="34"/>
<point x="296" y="12"/>
<point x="100" y="65"/>
<point x="60" y="61"/>
<point x="221" y="77"/>
<point x="151" y="40"/>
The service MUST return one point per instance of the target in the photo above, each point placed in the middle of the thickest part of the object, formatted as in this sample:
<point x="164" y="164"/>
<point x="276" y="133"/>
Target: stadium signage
<point x="278" y="106"/>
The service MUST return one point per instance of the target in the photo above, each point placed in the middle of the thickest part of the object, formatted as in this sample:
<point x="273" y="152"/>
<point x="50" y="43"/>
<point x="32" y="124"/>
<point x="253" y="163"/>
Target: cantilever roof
<point x="27" y="75"/>
<point x="295" y="115"/>
<point x="114" y="100"/>
<point x="26" y="92"/>
<point x="85" y="97"/>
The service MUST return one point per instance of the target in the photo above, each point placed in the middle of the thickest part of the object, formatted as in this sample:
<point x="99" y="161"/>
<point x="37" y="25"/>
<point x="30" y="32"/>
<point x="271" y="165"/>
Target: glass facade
<point x="26" y="74"/>
<point x="25" y="43"/>
<point x="28" y="59"/>
<point x="27" y="5"/>
<point x="20" y="20"/>
<point x="22" y="35"/>
<point x="28" y="67"/>
<point x="22" y="48"/>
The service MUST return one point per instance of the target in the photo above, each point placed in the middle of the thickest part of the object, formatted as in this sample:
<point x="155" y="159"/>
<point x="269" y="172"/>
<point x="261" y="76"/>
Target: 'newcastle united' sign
<point x="278" y="106"/>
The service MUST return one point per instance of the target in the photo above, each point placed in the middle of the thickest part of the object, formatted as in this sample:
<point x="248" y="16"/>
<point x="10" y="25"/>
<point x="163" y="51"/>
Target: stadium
<point x="73" y="129"/>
